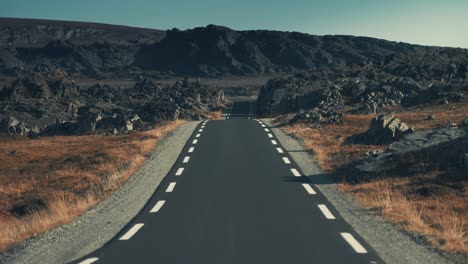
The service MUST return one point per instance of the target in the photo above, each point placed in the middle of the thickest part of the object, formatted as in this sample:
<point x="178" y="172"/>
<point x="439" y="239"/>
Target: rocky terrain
<point x="52" y="104"/>
<point x="406" y="81"/>
<point x="394" y="133"/>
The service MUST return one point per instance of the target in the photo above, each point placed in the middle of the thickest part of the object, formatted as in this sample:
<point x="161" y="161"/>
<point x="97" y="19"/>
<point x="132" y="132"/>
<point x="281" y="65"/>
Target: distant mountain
<point x="99" y="49"/>
<point x="215" y="50"/>
<point x="15" y="32"/>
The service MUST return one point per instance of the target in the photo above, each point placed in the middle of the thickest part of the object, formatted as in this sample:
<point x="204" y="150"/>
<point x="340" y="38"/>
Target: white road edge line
<point x="354" y="243"/>
<point x="191" y="149"/>
<point x="195" y="141"/>
<point x="274" y="142"/>
<point x="279" y="150"/>
<point x="171" y="187"/>
<point x="157" y="206"/>
<point x="295" y="173"/>
<point x="186" y="159"/>
<point x="286" y="160"/>
<point x="308" y="188"/>
<point x="132" y="231"/>
<point x="179" y="171"/>
<point x="270" y="135"/>
<point x="89" y="261"/>
<point x="326" y="212"/>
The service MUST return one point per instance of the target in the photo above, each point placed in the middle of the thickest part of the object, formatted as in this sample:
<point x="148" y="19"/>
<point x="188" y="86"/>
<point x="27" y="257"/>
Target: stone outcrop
<point x="62" y="108"/>
<point x="437" y="148"/>
<point x="385" y="129"/>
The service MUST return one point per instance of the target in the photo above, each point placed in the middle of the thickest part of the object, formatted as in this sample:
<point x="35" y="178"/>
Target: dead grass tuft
<point x="66" y="174"/>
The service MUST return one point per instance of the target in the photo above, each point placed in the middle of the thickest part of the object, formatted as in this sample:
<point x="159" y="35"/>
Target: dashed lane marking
<point x="186" y="159"/>
<point x="354" y="243"/>
<point x="270" y="135"/>
<point x="171" y="187"/>
<point x="267" y="130"/>
<point x="286" y="160"/>
<point x="89" y="261"/>
<point x="157" y="206"/>
<point x="274" y="142"/>
<point x="263" y="125"/>
<point x="197" y="135"/>
<point x="132" y="231"/>
<point x="326" y="212"/>
<point x="279" y="150"/>
<point x="295" y="172"/>
<point x="308" y="188"/>
<point x="195" y="141"/>
<point x="179" y="171"/>
<point x="200" y="130"/>
<point x="191" y="149"/>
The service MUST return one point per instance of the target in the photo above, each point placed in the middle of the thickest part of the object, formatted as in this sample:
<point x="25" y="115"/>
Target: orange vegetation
<point x="429" y="204"/>
<point x="49" y="181"/>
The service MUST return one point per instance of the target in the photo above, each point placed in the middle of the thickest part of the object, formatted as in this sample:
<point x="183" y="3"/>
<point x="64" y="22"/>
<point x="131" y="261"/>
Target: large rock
<point x="13" y="126"/>
<point x="385" y="129"/>
<point x="437" y="148"/>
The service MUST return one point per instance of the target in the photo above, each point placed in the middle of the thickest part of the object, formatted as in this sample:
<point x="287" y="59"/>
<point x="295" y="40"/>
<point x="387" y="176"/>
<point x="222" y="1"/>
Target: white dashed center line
<point x="295" y="172"/>
<point x="89" y="261"/>
<point x="171" y="187"/>
<point x="179" y="171"/>
<point x="286" y="160"/>
<point x="195" y="141"/>
<point x="197" y="135"/>
<point x="270" y="135"/>
<point x="308" y="188"/>
<point x="274" y="142"/>
<point x="354" y="243"/>
<point x="326" y="212"/>
<point x="279" y="150"/>
<point x="263" y="125"/>
<point x="157" y="206"/>
<point x="132" y="231"/>
<point x="267" y="130"/>
<point x="186" y="159"/>
<point x="191" y="149"/>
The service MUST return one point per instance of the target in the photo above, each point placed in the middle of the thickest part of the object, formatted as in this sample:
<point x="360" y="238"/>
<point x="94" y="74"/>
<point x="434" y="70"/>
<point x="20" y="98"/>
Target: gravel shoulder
<point x="392" y="245"/>
<point x="100" y="224"/>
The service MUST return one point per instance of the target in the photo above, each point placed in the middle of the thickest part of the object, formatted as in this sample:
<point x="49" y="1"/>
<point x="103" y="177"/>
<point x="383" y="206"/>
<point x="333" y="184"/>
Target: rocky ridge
<point x="99" y="50"/>
<point x="52" y="104"/>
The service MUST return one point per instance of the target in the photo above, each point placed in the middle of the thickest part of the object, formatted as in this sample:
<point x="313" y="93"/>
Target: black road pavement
<point x="236" y="196"/>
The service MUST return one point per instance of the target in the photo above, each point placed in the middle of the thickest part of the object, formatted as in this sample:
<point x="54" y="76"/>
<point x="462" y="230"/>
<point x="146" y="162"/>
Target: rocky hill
<point x="97" y="50"/>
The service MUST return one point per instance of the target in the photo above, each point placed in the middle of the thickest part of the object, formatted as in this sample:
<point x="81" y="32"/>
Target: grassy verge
<point x="430" y="203"/>
<point x="49" y="181"/>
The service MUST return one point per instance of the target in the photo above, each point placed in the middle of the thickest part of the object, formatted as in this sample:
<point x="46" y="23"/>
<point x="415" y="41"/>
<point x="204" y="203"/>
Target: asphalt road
<point x="235" y="196"/>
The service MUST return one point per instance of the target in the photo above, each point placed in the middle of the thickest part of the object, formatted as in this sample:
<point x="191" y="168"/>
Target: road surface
<point x="236" y="196"/>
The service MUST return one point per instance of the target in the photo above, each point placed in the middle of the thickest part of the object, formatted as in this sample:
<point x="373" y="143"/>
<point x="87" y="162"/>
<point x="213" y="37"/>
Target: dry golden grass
<point x="67" y="175"/>
<point x="326" y="142"/>
<point x="215" y="115"/>
<point x="441" y="217"/>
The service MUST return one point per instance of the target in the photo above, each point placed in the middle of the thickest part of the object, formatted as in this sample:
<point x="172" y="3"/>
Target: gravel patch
<point x="101" y="223"/>
<point x="392" y="244"/>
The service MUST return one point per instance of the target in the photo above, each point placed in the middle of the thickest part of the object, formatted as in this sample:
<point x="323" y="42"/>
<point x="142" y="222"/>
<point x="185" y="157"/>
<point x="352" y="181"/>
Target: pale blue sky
<point x="428" y="22"/>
